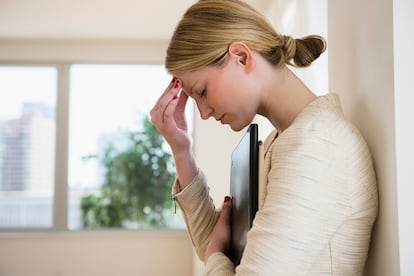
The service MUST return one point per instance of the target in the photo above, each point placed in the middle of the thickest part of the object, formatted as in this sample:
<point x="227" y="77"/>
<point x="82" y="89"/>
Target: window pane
<point x="115" y="173"/>
<point x="27" y="145"/>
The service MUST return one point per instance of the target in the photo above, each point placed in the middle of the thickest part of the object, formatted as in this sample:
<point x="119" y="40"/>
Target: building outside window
<point x="27" y="139"/>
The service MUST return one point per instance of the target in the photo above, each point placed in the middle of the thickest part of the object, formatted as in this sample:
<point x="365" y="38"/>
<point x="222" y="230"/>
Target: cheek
<point x="244" y="101"/>
<point x="229" y="91"/>
<point x="224" y="91"/>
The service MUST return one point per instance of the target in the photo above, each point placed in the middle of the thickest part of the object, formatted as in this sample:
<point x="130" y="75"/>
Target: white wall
<point x="299" y="18"/>
<point x="403" y="12"/>
<point x="361" y="71"/>
<point x="370" y="61"/>
<point x="96" y="254"/>
<point x="83" y="50"/>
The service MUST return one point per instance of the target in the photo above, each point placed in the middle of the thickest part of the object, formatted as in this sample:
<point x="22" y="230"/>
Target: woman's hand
<point x="220" y="237"/>
<point x="168" y="116"/>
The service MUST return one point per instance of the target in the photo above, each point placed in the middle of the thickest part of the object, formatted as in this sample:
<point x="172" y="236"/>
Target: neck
<point x="284" y="96"/>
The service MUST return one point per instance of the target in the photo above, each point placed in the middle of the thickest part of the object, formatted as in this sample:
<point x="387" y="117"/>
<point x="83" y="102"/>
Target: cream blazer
<point x="319" y="206"/>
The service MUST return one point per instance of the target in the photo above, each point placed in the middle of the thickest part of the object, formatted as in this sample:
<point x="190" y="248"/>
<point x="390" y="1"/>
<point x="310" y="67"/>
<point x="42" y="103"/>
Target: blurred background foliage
<point x="136" y="192"/>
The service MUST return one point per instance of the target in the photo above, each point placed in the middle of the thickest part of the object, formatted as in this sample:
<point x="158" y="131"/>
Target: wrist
<point x="212" y="250"/>
<point x="186" y="168"/>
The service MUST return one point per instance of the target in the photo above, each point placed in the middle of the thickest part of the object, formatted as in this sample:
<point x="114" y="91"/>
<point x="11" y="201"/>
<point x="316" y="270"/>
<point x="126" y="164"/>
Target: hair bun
<point x="289" y="46"/>
<point x="303" y="51"/>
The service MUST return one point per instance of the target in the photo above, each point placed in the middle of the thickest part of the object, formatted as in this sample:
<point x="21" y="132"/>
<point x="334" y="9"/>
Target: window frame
<point x="61" y="186"/>
<point x="61" y="129"/>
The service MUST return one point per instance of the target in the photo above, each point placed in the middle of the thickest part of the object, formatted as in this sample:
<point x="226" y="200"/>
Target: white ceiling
<point x="90" y="19"/>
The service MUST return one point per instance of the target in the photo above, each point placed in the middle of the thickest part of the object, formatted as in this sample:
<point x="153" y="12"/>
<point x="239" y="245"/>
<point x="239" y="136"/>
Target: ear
<point x="242" y="54"/>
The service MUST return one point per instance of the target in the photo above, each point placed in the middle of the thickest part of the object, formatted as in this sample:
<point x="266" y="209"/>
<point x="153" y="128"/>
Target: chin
<point x="237" y="128"/>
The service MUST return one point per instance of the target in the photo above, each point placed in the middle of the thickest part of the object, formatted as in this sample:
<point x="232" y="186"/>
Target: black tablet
<point x="243" y="190"/>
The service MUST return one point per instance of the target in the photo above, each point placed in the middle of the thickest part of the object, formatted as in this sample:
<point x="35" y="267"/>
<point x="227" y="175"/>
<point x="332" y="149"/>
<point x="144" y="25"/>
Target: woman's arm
<point x="199" y="212"/>
<point x="190" y="189"/>
<point x="168" y="116"/>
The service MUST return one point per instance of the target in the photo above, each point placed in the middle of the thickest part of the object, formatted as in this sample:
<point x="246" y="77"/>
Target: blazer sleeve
<point x="198" y="210"/>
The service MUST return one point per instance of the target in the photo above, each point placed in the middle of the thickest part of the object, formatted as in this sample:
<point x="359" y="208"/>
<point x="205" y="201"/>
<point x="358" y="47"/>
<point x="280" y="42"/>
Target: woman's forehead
<point x="189" y="80"/>
<point x="196" y="75"/>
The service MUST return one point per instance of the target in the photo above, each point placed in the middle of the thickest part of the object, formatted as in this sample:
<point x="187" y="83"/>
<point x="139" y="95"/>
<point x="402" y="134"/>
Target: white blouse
<point x="319" y="206"/>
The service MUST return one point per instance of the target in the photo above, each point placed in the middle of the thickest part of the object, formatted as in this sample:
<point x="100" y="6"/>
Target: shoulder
<point x="323" y="120"/>
<point x="321" y="131"/>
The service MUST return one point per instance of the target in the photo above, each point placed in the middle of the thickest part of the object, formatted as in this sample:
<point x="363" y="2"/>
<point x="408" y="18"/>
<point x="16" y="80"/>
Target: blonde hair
<point x="208" y="27"/>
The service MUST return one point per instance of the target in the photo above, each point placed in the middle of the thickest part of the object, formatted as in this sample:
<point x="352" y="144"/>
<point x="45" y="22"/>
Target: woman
<point x="321" y="197"/>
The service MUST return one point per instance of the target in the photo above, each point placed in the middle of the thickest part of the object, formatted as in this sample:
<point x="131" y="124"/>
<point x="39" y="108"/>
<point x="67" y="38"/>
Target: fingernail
<point x="227" y="199"/>
<point x="175" y="97"/>
<point x="177" y="83"/>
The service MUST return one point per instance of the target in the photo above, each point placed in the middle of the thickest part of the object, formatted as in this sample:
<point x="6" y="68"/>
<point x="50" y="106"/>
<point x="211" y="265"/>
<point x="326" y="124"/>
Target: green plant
<point x="137" y="185"/>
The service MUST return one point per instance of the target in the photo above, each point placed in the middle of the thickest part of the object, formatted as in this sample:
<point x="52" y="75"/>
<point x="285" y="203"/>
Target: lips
<point x="220" y="119"/>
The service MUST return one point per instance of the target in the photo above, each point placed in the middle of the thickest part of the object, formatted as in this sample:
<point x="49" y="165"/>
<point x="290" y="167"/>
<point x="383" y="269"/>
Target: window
<point x="27" y="139"/>
<point x="106" y="108"/>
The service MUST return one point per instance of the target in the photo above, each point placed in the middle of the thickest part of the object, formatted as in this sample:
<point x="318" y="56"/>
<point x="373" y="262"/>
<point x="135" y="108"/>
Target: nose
<point x="205" y="110"/>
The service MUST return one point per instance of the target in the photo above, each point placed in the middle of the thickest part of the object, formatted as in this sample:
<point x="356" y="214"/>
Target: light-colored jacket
<point x="319" y="206"/>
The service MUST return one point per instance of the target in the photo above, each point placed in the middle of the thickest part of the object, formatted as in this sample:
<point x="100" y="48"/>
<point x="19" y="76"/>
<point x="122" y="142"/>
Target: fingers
<point x="169" y="110"/>
<point x="220" y="238"/>
<point x="169" y="95"/>
<point x="171" y="90"/>
<point x="226" y="209"/>
<point x="225" y="213"/>
<point x="171" y="85"/>
<point x="182" y="101"/>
